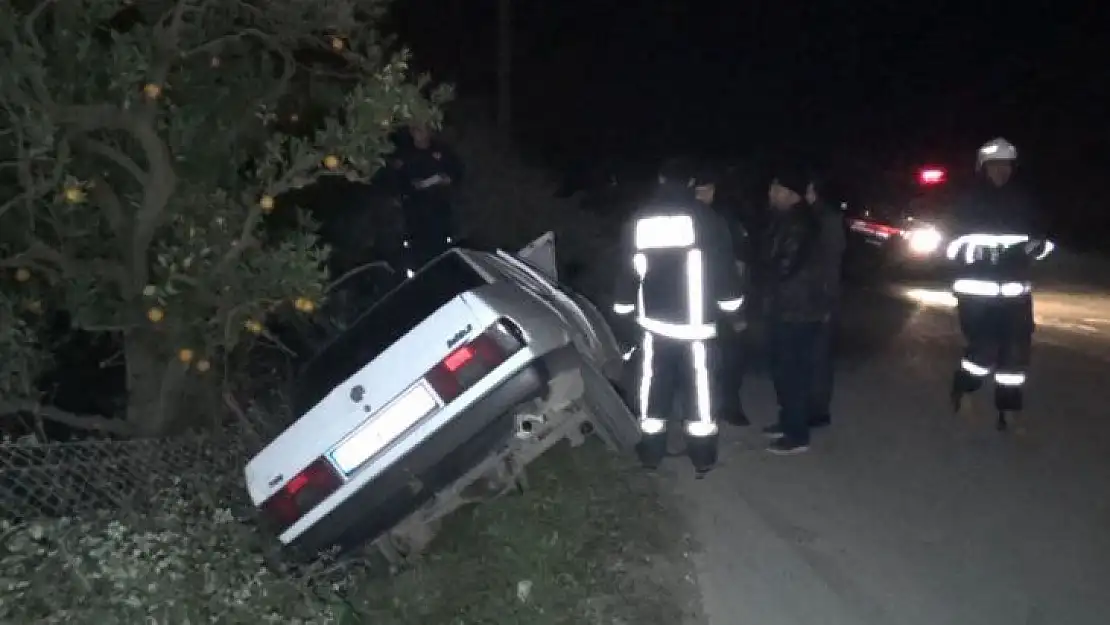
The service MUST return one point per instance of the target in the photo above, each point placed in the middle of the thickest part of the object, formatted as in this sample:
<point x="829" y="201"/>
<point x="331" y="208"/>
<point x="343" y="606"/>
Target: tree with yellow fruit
<point x="141" y="156"/>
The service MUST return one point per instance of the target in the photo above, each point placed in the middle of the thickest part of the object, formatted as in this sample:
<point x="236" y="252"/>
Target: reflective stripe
<point x="652" y="425"/>
<point x="730" y="305"/>
<point x="623" y="309"/>
<point x="1048" y="247"/>
<point x="1009" y="379"/>
<point x="639" y="263"/>
<point x="679" y="331"/>
<point x="704" y="426"/>
<point x="645" y="374"/>
<point x="974" y="369"/>
<point x="699" y="429"/>
<point x="973" y="242"/>
<point x="988" y="288"/>
<point x="664" y="231"/>
<point x="695" y="291"/>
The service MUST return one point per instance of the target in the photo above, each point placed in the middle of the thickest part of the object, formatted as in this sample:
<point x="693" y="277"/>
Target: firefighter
<point x="997" y="239"/>
<point x="428" y="171"/>
<point x="677" y="279"/>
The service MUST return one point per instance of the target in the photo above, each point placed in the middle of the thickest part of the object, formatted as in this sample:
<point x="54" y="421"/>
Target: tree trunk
<point x="154" y="387"/>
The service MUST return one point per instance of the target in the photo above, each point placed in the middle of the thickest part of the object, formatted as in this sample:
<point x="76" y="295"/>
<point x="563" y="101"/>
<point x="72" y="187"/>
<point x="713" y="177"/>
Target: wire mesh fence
<point x="78" y="479"/>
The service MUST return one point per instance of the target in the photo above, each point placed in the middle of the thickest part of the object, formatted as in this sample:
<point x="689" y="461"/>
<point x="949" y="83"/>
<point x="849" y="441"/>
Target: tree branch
<point x="114" y="155"/>
<point x="161" y="180"/>
<point x="70" y="419"/>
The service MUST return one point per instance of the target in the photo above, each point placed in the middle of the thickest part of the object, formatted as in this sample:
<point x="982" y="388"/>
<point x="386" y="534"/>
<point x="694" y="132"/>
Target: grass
<point x="590" y="542"/>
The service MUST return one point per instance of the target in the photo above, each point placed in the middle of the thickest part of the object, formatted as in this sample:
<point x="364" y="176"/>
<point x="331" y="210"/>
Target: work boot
<point x="703" y="453"/>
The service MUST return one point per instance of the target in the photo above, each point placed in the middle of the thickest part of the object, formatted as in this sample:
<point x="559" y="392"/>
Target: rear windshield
<point x="398" y="312"/>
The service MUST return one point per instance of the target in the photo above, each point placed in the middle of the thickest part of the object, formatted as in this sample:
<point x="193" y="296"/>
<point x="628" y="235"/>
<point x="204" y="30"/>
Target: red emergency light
<point x="932" y="175"/>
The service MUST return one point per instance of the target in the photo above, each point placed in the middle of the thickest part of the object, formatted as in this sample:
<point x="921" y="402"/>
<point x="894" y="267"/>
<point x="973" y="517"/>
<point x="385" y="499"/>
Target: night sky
<point x="873" y="88"/>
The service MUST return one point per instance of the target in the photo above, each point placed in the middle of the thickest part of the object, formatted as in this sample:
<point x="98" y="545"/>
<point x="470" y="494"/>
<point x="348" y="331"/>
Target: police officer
<point x="677" y="279"/>
<point x="997" y="239"/>
<point x="428" y="171"/>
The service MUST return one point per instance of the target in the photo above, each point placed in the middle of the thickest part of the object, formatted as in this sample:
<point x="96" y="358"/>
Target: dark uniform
<point x="677" y="278"/>
<point x="427" y="178"/>
<point x="997" y="240"/>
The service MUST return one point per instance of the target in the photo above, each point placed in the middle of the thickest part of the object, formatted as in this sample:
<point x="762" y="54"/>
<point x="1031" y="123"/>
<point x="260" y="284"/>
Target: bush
<point x="188" y="564"/>
<point x="143" y="145"/>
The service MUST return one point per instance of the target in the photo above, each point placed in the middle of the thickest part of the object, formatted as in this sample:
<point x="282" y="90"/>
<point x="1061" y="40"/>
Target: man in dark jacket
<point x="998" y="236"/>
<point x="677" y="279"/>
<point x="831" y="248"/>
<point x="798" y="302"/>
<point x="428" y="172"/>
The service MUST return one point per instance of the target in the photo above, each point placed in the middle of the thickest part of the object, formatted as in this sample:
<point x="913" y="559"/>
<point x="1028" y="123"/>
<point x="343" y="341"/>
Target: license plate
<point x="390" y="422"/>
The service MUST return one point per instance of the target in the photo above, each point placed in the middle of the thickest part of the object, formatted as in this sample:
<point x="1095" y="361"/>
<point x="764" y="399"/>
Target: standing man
<point x="798" y="305"/>
<point x="730" y="366"/>
<point x="677" y="280"/>
<point x="428" y="172"/>
<point x="831" y="253"/>
<point x="998" y="239"/>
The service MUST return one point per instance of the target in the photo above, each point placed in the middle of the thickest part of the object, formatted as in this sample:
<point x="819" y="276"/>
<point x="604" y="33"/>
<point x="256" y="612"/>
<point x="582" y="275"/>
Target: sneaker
<point x="784" y="447"/>
<point x="773" y="432"/>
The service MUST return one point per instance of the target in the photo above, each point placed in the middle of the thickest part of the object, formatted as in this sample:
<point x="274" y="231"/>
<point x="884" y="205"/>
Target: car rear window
<point x="398" y="312"/>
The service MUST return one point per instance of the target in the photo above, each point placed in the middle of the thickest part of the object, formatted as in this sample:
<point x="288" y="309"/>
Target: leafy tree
<point x="142" y="146"/>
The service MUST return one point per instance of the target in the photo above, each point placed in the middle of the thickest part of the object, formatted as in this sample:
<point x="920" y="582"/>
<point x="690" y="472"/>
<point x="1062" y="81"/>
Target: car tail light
<point x="303" y="492"/>
<point x="471" y="362"/>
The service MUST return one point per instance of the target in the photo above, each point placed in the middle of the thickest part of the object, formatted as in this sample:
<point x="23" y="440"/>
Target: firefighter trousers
<point x="998" y="333"/>
<point x="677" y="373"/>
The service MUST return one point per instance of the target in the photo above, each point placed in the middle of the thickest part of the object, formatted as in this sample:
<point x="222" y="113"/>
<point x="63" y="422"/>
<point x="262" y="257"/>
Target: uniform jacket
<point x="677" y="270"/>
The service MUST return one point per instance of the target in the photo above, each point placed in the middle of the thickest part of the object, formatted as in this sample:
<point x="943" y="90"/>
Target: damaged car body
<point x="440" y="395"/>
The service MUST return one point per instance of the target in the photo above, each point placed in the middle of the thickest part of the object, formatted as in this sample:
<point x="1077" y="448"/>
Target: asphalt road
<point x="905" y="513"/>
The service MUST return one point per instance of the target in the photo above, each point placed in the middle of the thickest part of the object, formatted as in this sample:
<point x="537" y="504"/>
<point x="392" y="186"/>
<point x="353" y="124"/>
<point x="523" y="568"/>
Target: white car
<point x="458" y="377"/>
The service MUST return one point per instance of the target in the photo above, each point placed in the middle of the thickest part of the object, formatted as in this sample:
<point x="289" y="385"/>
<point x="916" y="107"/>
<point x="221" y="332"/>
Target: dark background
<point x="866" y="90"/>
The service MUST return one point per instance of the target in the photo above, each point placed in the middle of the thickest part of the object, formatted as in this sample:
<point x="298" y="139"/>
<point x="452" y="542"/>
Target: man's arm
<point x="452" y="165"/>
<point x="626" y="280"/>
<point x="728" y="284"/>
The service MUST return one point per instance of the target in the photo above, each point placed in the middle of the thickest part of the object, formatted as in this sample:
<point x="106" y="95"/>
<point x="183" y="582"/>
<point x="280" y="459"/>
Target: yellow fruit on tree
<point x="304" y="304"/>
<point x="185" y="355"/>
<point x="266" y="203"/>
<point x="331" y="162"/>
<point x="74" y="195"/>
<point x="152" y="91"/>
<point x="253" y="326"/>
<point x="22" y="275"/>
<point x="155" y="315"/>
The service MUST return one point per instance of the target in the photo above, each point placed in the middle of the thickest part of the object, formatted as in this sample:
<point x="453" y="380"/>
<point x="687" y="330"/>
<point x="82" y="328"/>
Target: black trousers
<point x="998" y="332"/>
<point x="823" y="373"/>
<point x="676" y="374"/>
<point x="793" y="356"/>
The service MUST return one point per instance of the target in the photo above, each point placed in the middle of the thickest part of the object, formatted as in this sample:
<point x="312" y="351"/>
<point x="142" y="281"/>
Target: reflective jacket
<point x="996" y="237"/>
<point x="678" y="272"/>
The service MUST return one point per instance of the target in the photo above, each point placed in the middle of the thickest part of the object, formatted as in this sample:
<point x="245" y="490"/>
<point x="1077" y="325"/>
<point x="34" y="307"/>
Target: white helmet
<point x="996" y="150"/>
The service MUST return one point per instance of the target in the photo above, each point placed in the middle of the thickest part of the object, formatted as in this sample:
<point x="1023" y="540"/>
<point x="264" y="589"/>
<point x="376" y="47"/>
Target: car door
<point x="603" y="365"/>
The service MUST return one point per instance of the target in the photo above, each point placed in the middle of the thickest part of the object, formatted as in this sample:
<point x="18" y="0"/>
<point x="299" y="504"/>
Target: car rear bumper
<point x="432" y="466"/>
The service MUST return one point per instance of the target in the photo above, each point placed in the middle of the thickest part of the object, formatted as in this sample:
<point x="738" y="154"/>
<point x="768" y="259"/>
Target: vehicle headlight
<point x="924" y="240"/>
